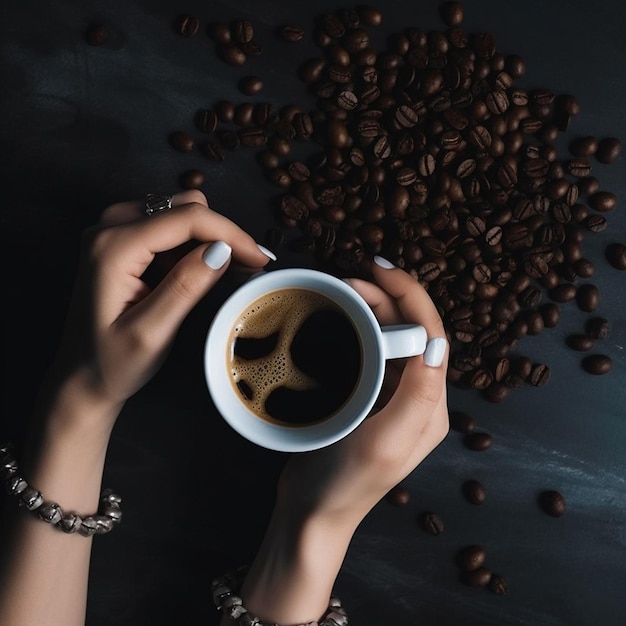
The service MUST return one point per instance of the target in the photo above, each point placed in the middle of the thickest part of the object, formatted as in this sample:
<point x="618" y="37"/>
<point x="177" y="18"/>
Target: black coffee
<point x="296" y="357"/>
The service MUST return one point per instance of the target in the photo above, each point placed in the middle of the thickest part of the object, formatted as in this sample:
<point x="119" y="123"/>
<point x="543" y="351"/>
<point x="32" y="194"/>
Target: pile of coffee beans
<point x="430" y="155"/>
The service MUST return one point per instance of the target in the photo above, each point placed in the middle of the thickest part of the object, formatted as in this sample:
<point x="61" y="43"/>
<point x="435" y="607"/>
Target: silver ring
<point x="157" y="202"/>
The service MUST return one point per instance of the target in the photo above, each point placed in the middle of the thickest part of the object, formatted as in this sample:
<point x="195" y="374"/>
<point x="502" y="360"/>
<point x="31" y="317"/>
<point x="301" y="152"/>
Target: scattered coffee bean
<point x="581" y="343"/>
<point x="470" y="558"/>
<point x="597" y="364"/>
<point x="584" y="146"/>
<point x="498" y="585"/>
<point x="432" y="523"/>
<point x="479" y="577"/>
<point x="398" y="496"/>
<point x="550" y="313"/>
<point x="588" y="297"/>
<point x="181" y="141"/>
<point x="539" y="375"/>
<point x="251" y="85"/>
<point x="598" y="328"/>
<point x="474" y="492"/>
<point x="608" y="150"/>
<point x="478" y="441"/>
<point x="231" y="53"/>
<point x="206" y="120"/>
<point x="462" y="422"/>
<point x="292" y="33"/>
<point x="602" y="201"/>
<point x="451" y="13"/>
<point x="552" y="502"/>
<point x="616" y="255"/>
<point x="97" y="34"/>
<point x="192" y="179"/>
<point x="188" y="25"/>
<point x="219" y="32"/>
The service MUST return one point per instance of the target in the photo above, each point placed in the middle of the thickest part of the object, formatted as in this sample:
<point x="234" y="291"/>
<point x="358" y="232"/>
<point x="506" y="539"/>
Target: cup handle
<point x="403" y="340"/>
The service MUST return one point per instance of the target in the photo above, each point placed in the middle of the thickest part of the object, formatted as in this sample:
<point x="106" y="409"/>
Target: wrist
<point x="292" y="577"/>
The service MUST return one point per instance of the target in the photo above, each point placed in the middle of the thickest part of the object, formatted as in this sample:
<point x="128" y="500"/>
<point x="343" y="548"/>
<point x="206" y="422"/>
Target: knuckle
<point x="183" y="282"/>
<point x="195" y="196"/>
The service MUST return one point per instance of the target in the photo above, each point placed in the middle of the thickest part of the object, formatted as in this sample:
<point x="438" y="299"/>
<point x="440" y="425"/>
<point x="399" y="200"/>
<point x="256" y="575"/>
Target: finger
<point x="382" y="304"/>
<point x="125" y="212"/>
<point x="164" y="309"/>
<point x="141" y="239"/>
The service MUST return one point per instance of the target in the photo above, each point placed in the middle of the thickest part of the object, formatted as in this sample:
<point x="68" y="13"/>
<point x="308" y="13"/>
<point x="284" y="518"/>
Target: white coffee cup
<point x="377" y="345"/>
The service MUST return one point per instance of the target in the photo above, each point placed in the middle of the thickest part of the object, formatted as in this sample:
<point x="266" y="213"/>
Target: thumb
<point x="182" y="288"/>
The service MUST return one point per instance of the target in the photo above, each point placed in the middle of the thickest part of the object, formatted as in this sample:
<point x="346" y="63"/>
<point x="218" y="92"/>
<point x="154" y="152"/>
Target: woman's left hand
<point x="119" y="329"/>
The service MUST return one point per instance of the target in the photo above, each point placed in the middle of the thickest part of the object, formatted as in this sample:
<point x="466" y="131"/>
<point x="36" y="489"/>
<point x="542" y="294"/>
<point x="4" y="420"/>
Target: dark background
<point x="84" y="126"/>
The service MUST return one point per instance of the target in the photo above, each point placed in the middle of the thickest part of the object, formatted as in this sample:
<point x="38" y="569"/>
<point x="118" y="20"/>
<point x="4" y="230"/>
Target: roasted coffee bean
<point x="550" y="313"/>
<point x="477" y="578"/>
<point x="451" y="13"/>
<point x="253" y="137"/>
<point x="251" y="85"/>
<point x="579" y="167"/>
<point x="181" y="141"/>
<point x="474" y="492"/>
<point x="496" y="392"/>
<point x="597" y="364"/>
<point x="97" y="34"/>
<point x="251" y="48"/>
<point x="242" y="31"/>
<point x="219" y="32"/>
<point x="584" y="146"/>
<point x="588" y="297"/>
<point x="562" y="293"/>
<point x="192" y="179"/>
<point x="616" y="255"/>
<point x="598" y="328"/>
<point x="462" y="422"/>
<point x="431" y="523"/>
<point x="228" y="139"/>
<point x="398" y="496"/>
<point x="470" y="558"/>
<point x="608" y="150"/>
<point x="539" y="375"/>
<point x="481" y="379"/>
<point x="596" y="223"/>
<point x="292" y="33"/>
<point x="581" y="343"/>
<point x="333" y="26"/>
<point x="588" y="185"/>
<point x="188" y="25"/>
<point x="225" y="111"/>
<point x="206" y="120"/>
<point x="602" y="201"/>
<point x="293" y="207"/>
<point x="498" y="585"/>
<point x="552" y="502"/>
<point x="478" y="441"/>
<point x="231" y="53"/>
<point x="370" y="15"/>
<point x="584" y="268"/>
<point x="214" y="151"/>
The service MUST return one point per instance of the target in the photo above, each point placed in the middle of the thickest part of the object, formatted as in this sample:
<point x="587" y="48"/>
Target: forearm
<point x="45" y="571"/>
<point x="293" y="574"/>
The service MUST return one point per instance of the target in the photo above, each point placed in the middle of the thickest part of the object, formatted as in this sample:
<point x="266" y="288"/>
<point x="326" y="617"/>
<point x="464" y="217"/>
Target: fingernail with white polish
<point x="382" y="262"/>
<point x="268" y="253"/>
<point x="435" y="351"/>
<point x="216" y="255"/>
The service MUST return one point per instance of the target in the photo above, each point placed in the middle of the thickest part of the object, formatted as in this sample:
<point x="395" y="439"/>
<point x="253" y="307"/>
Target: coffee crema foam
<point x="283" y="312"/>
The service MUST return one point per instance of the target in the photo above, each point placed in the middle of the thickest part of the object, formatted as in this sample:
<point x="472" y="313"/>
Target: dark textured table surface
<point x="82" y="126"/>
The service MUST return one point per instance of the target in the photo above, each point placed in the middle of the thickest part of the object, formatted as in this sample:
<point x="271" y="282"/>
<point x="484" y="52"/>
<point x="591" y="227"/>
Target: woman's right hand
<point x="324" y="495"/>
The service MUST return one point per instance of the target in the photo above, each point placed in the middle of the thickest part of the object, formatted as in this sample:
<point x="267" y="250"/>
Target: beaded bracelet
<point x="99" y="523"/>
<point x="225" y="591"/>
